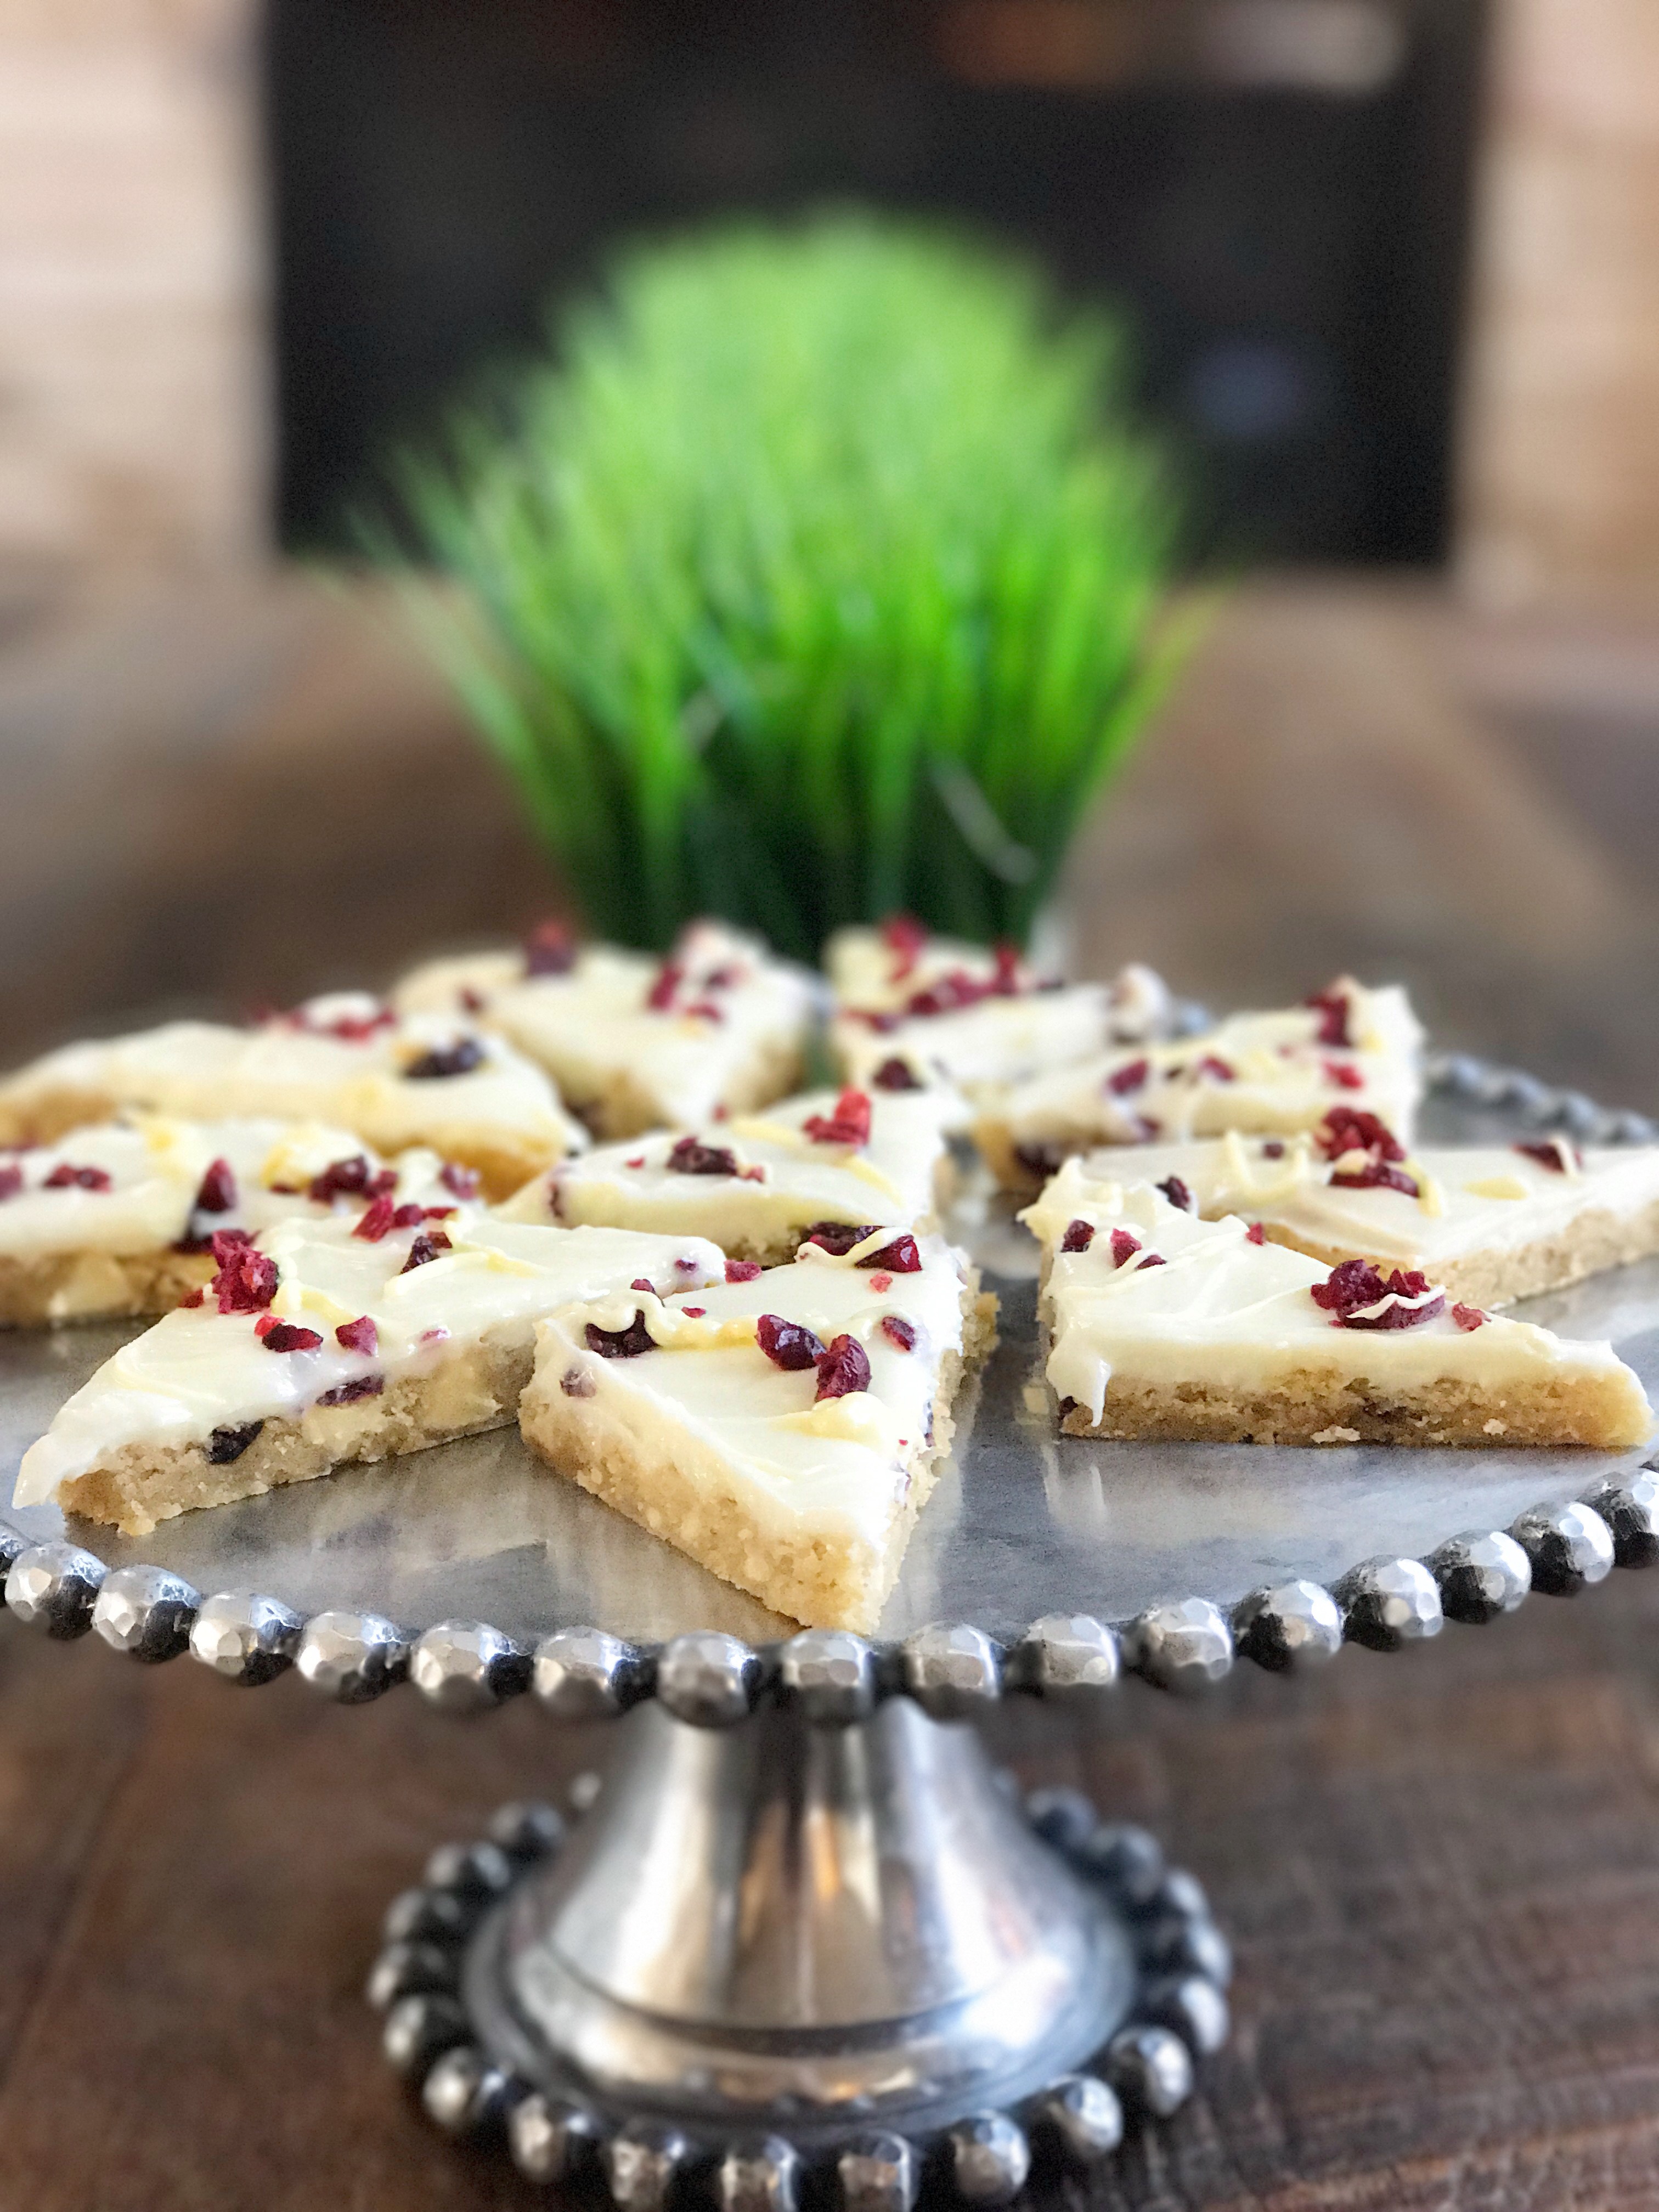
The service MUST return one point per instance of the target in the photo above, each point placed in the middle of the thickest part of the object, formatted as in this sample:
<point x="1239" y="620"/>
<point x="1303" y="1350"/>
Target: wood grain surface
<point x="1441" y="1870"/>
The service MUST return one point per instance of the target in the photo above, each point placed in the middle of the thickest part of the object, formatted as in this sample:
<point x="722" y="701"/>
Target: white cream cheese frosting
<point x="685" y="1034"/>
<point x="1271" y="1073"/>
<point x="757" y="1183"/>
<point x="144" y="1185"/>
<point x="1425" y="1209"/>
<point x="200" y="1369"/>
<point x="1154" y="1298"/>
<point x="395" y="1080"/>
<point x="798" y="1463"/>
<point x="937" y="1009"/>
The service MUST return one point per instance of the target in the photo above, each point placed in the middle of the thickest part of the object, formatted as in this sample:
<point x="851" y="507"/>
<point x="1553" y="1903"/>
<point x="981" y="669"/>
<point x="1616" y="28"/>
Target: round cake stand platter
<point x="802" y="1945"/>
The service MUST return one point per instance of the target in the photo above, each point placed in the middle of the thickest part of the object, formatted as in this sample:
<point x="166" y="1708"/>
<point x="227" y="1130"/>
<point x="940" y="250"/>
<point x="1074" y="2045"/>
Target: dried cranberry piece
<point x="898" y="1331"/>
<point x="694" y="1313"/>
<point x="349" y="1028"/>
<point x="691" y="1157"/>
<point x="1040" y="1160"/>
<point x="550" y="949"/>
<point x="347" y="1393"/>
<point x="217" y="1193"/>
<point x="901" y="1255"/>
<point x="620" y="1343"/>
<point x="1130" y="1076"/>
<point x="1256" y="1234"/>
<point x="195" y="1298"/>
<point x="1551" y="1154"/>
<point x="1004" y="983"/>
<point x="289" y="1336"/>
<point x="1217" y="1071"/>
<point x="904" y="938"/>
<point x="896" y="1074"/>
<point x="843" y="1367"/>
<point x="788" y="1344"/>
<point x="458" y="1058"/>
<point x="471" y="1001"/>
<point x="1124" y="1246"/>
<point x="64" y="1177"/>
<point x="881" y="1022"/>
<point x="359" y="1335"/>
<point x="849" y="1125"/>
<point x="1153" y="1259"/>
<point x="228" y="1445"/>
<point x="1273" y="1150"/>
<point x="643" y="1283"/>
<point x="1351" y="1129"/>
<point x="463" y="1182"/>
<point x="838" y="1236"/>
<point x="660" y="997"/>
<point x="245" y="1281"/>
<point x="11" y="1181"/>
<point x="347" y="1178"/>
<point x="1344" y="1074"/>
<point x="427" y="1246"/>
<point x="577" y="1383"/>
<point x="704" y="1010"/>
<point x="1377" y="1175"/>
<point x="1079" y="1236"/>
<point x="883" y="1283"/>
<point x="1332" y="1007"/>
<point x="742" y="1271"/>
<point x="1178" y="1194"/>
<point x="1468" y="1317"/>
<point x="375" y="1220"/>
<point x="1356" y="1284"/>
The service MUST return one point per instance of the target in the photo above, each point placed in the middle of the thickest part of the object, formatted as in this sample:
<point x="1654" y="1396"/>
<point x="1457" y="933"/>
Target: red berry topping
<point x="694" y="1313"/>
<point x="427" y="1246"/>
<point x="375" y="1221"/>
<point x="347" y="1393"/>
<point x="1124" y="1246"/>
<point x="64" y="1177"/>
<point x="550" y="951"/>
<point x="843" y="1367"/>
<point x="1153" y="1259"/>
<point x="463" y="1182"/>
<point x="620" y="1343"/>
<point x="838" y="1236"/>
<point x="1178" y="1194"/>
<point x="1555" y="1154"/>
<point x="788" y="1344"/>
<point x="1356" y="1286"/>
<point x="1211" y="1070"/>
<point x="691" y="1157"/>
<point x="1332" y="1008"/>
<point x="705" y="1009"/>
<point x="458" y="1058"/>
<point x="1351" y="1129"/>
<point x="217" y="1193"/>
<point x="904" y="938"/>
<point x="643" y="1283"/>
<point x="196" y="1298"/>
<point x="638" y="1161"/>
<point x="245" y="1281"/>
<point x="1079" y="1236"/>
<point x="288" y="1336"/>
<point x="349" y="1028"/>
<point x="359" y="1335"/>
<point x="901" y="1256"/>
<point x="1256" y="1234"/>
<point x="1273" y="1150"/>
<point x="742" y="1271"/>
<point x="849" y="1125"/>
<point x="1377" y="1175"/>
<point x="11" y="1180"/>
<point x="660" y="997"/>
<point x="1468" y="1317"/>
<point x="1344" y="1074"/>
<point x="896" y="1074"/>
<point x="471" y="1001"/>
<point x="1130" y="1077"/>
<point x="898" y="1331"/>
<point x="686" y="1266"/>
<point x="347" y="1178"/>
<point x="882" y="1283"/>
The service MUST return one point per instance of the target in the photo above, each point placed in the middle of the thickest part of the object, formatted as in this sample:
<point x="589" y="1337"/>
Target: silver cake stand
<point x="802" y="1943"/>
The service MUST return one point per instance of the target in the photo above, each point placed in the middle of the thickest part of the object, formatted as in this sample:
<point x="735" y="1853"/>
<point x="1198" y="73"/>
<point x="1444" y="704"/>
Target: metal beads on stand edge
<point x="1390" y="1604"/>
<point x="878" y="2174"/>
<point x="640" y="2166"/>
<point x="1570" y="1547"/>
<point x="952" y="1670"/>
<point x="762" y="2176"/>
<point x="829" y="1676"/>
<point x="1151" y="2069"/>
<point x="245" y="1639"/>
<point x="1083" y="2114"/>
<point x="551" y="2139"/>
<point x="1630" y="1506"/>
<point x="708" y="1680"/>
<point x="1070" y="1656"/>
<point x="1186" y="1646"/>
<point x="466" y="1666"/>
<point x="528" y="1831"/>
<point x="464" y="2091"/>
<point x="989" y="2158"/>
<point x="53" y="1588"/>
<point x="586" y="1674"/>
<point x="351" y="1656"/>
<point x="1481" y="1575"/>
<point x="1292" y="1627"/>
<point x="146" y="1612"/>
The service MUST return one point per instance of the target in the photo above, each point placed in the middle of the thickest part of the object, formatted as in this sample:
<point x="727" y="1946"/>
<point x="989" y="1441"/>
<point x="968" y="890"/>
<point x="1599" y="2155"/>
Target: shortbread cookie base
<point x="42" y="1117"/>
<point x="626" y="1108"/>
<point x="70" y="1287"/>
<point x="143" y="1484"/>
<point x="1594" y="1242"/>
<point x="1307" y="1408"/>
<point x="994" y="1142"/>
<point x="681" y="1489"/>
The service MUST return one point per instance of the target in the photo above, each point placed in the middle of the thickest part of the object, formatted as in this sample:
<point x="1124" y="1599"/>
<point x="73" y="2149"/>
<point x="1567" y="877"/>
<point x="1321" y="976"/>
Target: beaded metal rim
<point x="1147" y="2069"/>
<point x="951" y="1668"/>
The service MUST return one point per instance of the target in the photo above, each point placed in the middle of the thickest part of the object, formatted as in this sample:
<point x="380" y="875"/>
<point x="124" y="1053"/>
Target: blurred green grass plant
<point x="815" y="572"/>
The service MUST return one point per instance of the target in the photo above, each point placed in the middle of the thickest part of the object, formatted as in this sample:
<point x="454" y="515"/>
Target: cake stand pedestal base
<point x="779" y="1957"/>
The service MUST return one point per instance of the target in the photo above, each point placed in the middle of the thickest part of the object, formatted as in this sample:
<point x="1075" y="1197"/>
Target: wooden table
<point x="1441" y="1870"/>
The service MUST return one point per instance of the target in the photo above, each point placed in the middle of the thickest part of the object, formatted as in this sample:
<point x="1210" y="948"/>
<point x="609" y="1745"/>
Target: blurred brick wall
<point x="133" y="414"/>
<point x="1561" y="407"/>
